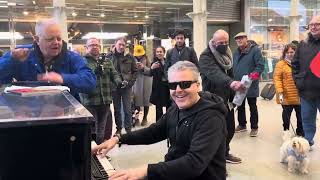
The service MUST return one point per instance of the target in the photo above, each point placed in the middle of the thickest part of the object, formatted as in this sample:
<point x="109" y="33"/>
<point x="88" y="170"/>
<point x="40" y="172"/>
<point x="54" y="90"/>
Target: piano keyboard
<point x="106" y="170"/>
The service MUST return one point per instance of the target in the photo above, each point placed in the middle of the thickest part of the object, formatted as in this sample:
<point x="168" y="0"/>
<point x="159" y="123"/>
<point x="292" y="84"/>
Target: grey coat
<point x="143" y="86"/>
<point x="246" y="62"/>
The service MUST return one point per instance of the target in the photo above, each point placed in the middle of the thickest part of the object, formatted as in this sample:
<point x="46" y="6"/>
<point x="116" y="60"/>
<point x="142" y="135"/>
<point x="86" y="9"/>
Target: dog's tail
<point x="286" y="135"/>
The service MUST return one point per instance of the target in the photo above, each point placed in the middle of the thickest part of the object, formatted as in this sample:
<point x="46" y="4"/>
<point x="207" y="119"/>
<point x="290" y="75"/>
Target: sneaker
<point x="311" y="148"/>
<point x="254" y="133"/>
<point x="240" y="129"/>
<point x="233" y="159"/>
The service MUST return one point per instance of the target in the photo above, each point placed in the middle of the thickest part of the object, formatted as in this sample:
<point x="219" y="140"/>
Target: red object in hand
<point x="254" y="75"/>
<point x="315" y="65"/>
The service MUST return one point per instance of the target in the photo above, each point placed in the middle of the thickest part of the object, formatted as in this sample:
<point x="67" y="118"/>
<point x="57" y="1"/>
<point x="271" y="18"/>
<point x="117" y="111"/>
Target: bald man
<point x="48" y="60"/>
<point x="306" y="74"/>
<point x="215" y="65"/>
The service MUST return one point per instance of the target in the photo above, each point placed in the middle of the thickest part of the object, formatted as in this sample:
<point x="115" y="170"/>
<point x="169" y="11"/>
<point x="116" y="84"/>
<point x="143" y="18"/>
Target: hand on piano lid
<point x="105" y="147"/>
<point x="131" y="174"/>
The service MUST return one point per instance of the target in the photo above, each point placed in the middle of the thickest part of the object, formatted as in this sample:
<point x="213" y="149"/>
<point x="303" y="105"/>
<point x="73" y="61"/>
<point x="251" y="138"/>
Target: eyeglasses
<point x="316" y="25"/>
<point x="182" y="84"/>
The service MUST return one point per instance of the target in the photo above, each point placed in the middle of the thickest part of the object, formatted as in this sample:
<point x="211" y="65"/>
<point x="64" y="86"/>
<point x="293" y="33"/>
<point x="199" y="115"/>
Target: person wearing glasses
<point x="98" y="101"/>
<point x="306" y="74"/>
<point x="49" y="60"/>
<point x="286" y="90"/>
<point x="248" y="60"/>
<point x="215" y="65"/>
<point x="194" y="126"/>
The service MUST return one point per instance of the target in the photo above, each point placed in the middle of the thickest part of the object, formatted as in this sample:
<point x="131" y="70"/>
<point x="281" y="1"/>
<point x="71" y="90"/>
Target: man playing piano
<point x="194" y="126"/>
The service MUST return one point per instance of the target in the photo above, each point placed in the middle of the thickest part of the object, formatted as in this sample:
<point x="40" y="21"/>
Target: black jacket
<point x="185" y="54"/>
<point x="160" y="94"/>
<point x="197" y="139"/>
<point x="307" y="83"/>
<point x="214" y="78"/>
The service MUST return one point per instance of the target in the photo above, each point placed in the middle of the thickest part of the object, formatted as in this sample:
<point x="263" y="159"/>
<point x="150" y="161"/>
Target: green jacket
<point x="102" y="94"/>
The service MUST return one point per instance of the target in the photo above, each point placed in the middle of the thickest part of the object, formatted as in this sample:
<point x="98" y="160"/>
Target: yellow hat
<point x="138" y="50"/>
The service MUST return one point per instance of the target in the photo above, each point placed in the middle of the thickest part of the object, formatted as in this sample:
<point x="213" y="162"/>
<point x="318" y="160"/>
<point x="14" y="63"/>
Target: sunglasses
<point x="182" y="84"/>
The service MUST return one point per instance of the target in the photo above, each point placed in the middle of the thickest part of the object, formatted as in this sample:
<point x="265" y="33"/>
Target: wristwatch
<point x="119" y="137"/>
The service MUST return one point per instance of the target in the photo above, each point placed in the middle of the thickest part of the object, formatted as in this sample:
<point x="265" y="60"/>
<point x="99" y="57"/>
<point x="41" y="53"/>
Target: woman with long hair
<point x="286" y="90"/>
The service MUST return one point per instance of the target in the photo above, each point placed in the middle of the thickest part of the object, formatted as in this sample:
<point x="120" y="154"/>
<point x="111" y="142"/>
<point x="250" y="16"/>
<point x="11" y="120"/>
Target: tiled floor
<point x="260" y="154"/>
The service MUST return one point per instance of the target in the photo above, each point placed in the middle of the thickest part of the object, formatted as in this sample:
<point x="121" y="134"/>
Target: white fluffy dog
<point x="294" y="152"/>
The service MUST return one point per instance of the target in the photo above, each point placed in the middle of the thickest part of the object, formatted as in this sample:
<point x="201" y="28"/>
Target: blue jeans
<point x="309" y="115"/>
<point x="122" y="96"/>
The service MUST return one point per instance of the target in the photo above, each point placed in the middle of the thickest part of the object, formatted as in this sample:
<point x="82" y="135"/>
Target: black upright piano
<point x="45" y="136"/>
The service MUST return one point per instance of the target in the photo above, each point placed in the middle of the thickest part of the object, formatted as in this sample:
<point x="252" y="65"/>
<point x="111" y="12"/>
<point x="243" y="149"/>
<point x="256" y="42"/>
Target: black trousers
<point x="252" y="101"/>
<point x="286" y="116"/>
<point x="230" y="128"/>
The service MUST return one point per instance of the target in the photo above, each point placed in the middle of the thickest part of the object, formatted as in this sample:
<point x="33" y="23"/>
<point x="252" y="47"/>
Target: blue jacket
<point x="246" y="62"/>
<point x="71" y="66"/>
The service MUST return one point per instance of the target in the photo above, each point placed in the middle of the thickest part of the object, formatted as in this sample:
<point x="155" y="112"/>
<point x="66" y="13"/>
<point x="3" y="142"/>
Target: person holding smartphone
<point x="142" y="86"/>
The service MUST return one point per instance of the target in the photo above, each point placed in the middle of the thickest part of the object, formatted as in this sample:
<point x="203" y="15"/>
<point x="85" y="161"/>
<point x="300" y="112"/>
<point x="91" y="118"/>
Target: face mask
<point x="222" y="48"/>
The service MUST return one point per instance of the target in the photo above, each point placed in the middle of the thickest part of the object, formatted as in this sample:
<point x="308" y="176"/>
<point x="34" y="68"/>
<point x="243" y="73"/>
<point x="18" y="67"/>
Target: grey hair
<point x="91" y="38"/>
<point x="183" y="66"/>
<point x="41" y="25"/>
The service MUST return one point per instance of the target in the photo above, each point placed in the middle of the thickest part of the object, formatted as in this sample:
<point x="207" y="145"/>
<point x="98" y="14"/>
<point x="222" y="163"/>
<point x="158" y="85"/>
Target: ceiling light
<point x="3" y="6"/>
<point x="146" y="16"/>
<point x="135" y="16"/>
<point x="3" y="1"/>
<point x="269" y="20"/>
<point x="106" y="35"/>
<point x="74" y="14"/>
<point x="12" y="4"/>
<point x="88" y="14"/>
<point x="102" y="15"/>
<point x="25" y="13"/>
<point x="34" y="2"/>
<point x="8" y="35"/>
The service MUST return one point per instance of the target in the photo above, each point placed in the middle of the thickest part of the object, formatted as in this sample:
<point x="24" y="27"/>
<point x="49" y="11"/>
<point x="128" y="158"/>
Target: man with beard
<point x="98" y="101"/>
<point x="306" y="74"/>
<point x="180" y="52"/>
<point x="48" y="60"/>
<point x="125" y="65"/>
<point x="215" y="64"/>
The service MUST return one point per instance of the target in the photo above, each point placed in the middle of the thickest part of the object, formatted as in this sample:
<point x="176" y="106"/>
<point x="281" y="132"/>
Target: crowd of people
<point x="198" y="126"/>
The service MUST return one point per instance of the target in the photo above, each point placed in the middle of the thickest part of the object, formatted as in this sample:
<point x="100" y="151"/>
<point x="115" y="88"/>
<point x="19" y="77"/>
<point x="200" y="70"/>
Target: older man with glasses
<point x="49" y="60"/>
<point x="248" y="60"/>
<point x="194" y="126"/>
<point x="98" y="101"/>
<point x="306" y="74"/>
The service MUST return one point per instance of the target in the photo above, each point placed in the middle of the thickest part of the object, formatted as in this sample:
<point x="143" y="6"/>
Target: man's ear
<point x="36" y="39"/>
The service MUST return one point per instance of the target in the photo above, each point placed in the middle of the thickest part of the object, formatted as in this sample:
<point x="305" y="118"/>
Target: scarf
<point x="224" y="60"/>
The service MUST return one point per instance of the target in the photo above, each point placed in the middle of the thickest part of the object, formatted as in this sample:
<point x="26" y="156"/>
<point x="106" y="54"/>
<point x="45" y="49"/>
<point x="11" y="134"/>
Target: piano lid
<point x="50" y="108"/>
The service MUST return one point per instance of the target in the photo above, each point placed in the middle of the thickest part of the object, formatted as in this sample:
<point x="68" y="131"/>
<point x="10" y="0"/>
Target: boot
<point x="144" y="122"/>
